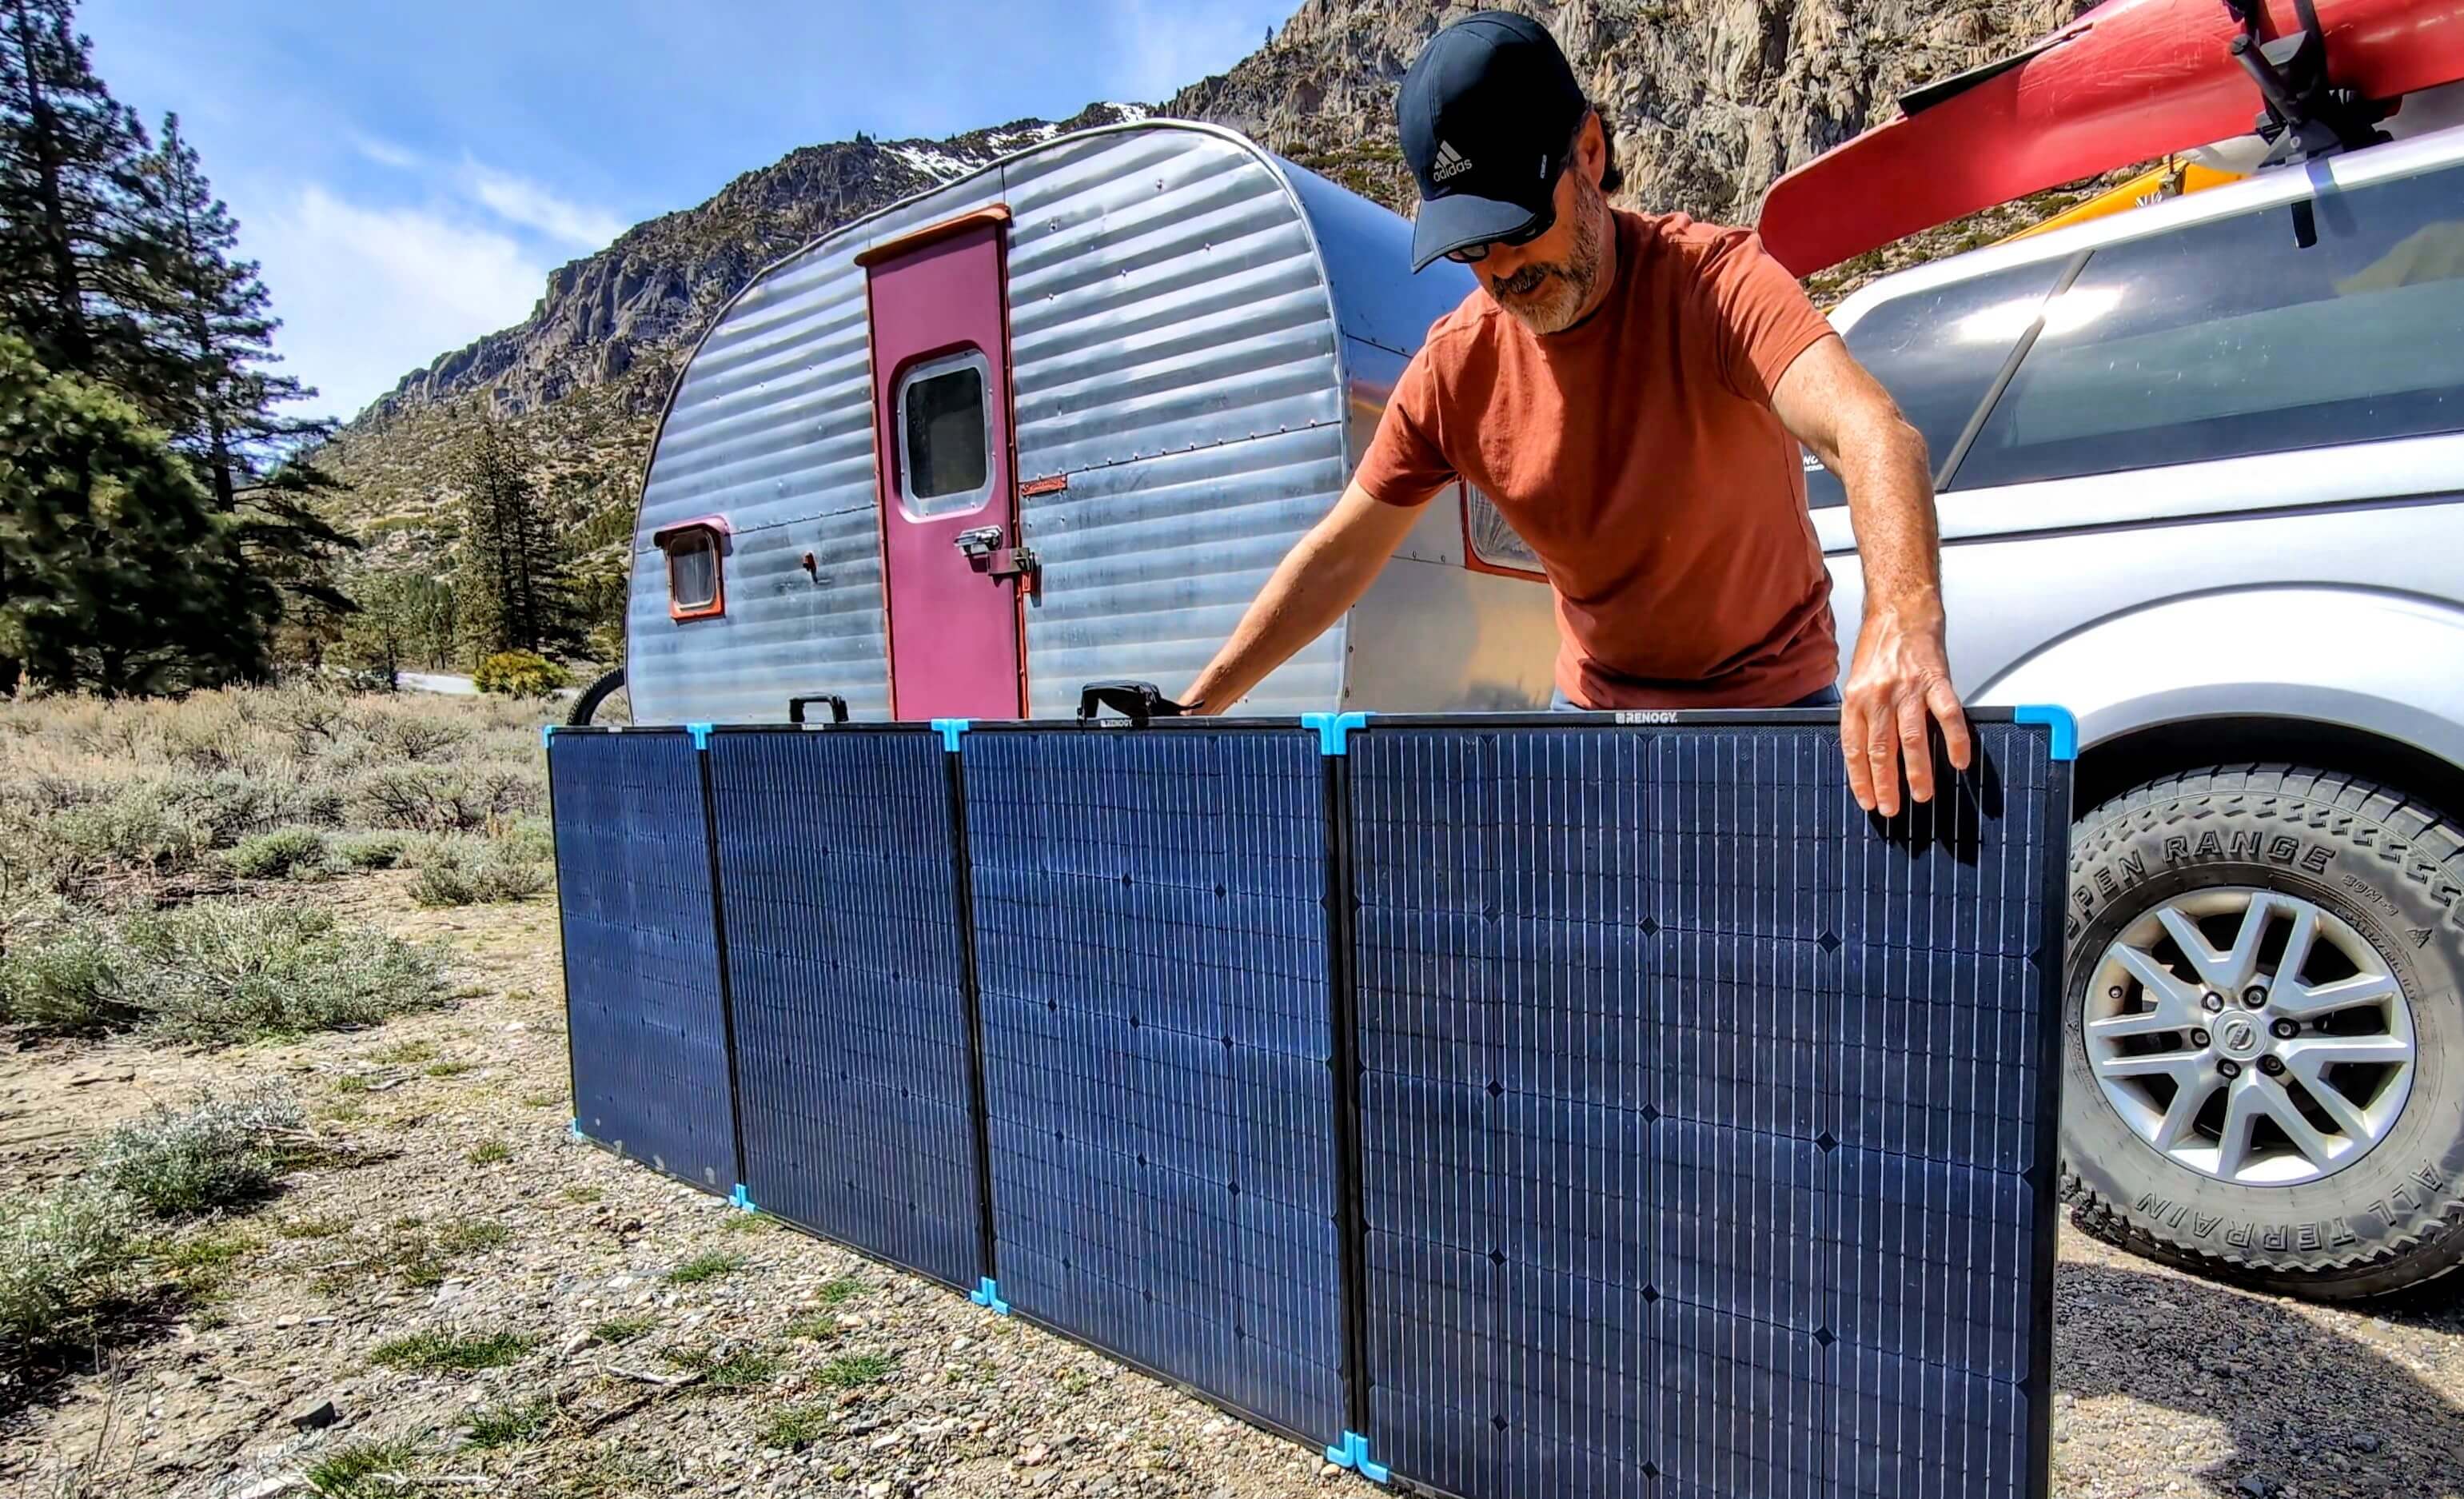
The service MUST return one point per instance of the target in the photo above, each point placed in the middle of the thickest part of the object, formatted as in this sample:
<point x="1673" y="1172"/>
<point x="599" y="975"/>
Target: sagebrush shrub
<point x="470" y="872"/>
<point x="59" y="980"/>
<point x="371" y="851"/>
<point x="280" y="854"/>
<point x="402" y="736"/>
<point x="213" y="973"/>
<point x="233" y="804"/>
<point x="219" y="971"/>
<point x="65" y="1261"/>
<point x="435" y="799"/>
<point x="216" y="1153"/>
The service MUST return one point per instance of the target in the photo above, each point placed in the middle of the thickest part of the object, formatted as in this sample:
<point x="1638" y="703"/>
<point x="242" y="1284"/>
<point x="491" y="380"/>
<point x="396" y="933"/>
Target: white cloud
<point x="385" y="153"/>
<point x="519" y="200"/>
<point x="368" y="295"/>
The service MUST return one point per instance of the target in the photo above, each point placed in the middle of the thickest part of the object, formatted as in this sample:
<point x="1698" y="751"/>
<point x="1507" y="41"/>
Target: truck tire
<point x="596" y="693"/>
<point x="2193" y="1053"/>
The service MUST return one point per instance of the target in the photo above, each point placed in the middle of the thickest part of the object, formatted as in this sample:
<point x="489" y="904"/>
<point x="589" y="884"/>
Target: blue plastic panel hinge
<point x="951" y="729"/>
<point x="701" y="732"/>
<point x="2065" y="727"/>
<point x="989" y="1294"/>
<point x="1334" y="728"/>
<point x="739" y="1197"/>
<point x="547" y="734"/>
<point x="1354" y="1453"/>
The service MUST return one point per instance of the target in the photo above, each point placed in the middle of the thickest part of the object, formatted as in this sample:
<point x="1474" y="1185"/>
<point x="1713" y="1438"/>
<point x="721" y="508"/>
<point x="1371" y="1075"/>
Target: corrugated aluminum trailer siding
<point x="1176" y="360"/>
<point x="1172" y="354"/>
<point x="770" y="427"/>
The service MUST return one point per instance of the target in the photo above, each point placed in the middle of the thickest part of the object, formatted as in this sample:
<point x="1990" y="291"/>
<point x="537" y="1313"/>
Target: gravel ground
<point x="798" y="1368"/>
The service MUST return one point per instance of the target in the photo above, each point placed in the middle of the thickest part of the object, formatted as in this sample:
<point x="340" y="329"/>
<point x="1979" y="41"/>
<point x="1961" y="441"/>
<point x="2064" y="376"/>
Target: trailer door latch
<point x="986" y="555"/>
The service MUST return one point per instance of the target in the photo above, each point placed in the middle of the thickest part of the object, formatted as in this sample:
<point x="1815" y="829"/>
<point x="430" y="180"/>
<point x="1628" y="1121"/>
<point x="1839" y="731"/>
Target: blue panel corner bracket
<point x="989" y="1294"/>
<point x="741" y="1198"/>
<point x="1353" y="1452"/>
<point x="1333" y="729"/>
<point x="547" y="736"/>
<point x="2064" y="726"/>
<point x="701" y="732"/>
<point x="950" y="729"/>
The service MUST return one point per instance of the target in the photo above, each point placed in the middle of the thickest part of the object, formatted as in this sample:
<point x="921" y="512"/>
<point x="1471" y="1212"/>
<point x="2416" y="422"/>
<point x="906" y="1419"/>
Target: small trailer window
<point x="945" y="447"/>
<point x="696" y="587"/>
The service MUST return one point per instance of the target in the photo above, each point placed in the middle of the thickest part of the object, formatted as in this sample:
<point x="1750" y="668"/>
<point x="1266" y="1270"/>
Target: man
<point x="1630" y="391"/>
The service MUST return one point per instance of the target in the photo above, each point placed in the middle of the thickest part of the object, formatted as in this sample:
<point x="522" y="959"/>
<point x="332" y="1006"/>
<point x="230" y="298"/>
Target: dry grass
<point x="123" y="803"/>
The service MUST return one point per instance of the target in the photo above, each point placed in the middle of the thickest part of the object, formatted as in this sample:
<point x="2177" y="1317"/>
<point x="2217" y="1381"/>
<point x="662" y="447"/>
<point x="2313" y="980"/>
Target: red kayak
<point x="2129" y="81"/>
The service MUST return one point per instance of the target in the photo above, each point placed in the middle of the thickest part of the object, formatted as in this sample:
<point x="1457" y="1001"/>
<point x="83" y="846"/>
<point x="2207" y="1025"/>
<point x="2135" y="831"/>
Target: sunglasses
<point x="1472" y="254"/>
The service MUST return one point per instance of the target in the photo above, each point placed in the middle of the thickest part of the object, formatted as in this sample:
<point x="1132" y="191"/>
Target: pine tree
<point x="210" y="340"/>
<point x="69" y="200"/>
<point x="405" y="620"/>
<point x="116" y="575"/>
<point x="511" y="595"/>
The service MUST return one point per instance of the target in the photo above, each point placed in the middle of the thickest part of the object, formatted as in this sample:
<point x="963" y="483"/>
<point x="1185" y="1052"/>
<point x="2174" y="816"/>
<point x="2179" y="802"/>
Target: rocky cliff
<point x="1709" y="100"/>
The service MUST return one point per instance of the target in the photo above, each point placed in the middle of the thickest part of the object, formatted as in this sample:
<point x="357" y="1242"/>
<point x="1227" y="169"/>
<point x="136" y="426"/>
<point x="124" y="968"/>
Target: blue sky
<point x="408" y="173"/>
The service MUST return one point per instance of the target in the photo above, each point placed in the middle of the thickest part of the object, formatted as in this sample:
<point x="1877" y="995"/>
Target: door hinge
<point x="986" y="555"/>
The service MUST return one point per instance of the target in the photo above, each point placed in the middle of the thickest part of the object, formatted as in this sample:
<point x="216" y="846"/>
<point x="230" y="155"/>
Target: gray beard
<point x="1547" y="298"/>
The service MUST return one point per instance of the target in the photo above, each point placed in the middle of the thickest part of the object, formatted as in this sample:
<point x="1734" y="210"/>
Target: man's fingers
<point x="1944" y="699"/>
<point x="1852" y="749"/>
<point x="1914" y="746"/>
<point x="1883" y="753"/>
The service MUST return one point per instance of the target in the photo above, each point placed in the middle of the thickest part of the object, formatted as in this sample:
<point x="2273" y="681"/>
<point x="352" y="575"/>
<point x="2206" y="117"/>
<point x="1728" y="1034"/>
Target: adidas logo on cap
<point x="1450" y="162"/>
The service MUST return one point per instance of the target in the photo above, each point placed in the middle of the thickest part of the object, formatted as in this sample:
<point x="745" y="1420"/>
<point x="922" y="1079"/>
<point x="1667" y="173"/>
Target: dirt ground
<point x="467" y="1209"/>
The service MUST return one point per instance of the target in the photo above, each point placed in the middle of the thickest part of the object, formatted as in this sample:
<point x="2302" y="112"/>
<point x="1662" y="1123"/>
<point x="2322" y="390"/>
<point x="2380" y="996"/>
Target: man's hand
<point x="1900" y="674"/>
<point x="1899" y="677"/>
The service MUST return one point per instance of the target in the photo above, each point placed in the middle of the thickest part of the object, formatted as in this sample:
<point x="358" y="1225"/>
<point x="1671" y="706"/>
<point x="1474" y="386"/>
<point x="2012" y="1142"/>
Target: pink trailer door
<point x="949" y="509"/>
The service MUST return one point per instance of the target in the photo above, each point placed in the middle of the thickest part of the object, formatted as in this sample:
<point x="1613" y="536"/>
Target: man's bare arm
<point x="1900" y="671"/>
<point x="1325" y="574"/>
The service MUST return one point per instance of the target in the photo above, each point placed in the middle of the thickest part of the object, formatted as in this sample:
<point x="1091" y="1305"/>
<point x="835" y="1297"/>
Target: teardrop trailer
<point x="1111" y="379"/>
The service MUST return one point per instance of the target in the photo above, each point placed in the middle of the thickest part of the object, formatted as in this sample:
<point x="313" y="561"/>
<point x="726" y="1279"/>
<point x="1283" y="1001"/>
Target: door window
<point x="944" y="436"/>
<point x="1938" y="353"/>
<point x="2232" y="338"/>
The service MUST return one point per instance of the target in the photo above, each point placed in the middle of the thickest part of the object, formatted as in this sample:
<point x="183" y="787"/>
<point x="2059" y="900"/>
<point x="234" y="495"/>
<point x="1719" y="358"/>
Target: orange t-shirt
<point x="1638" y="454"/>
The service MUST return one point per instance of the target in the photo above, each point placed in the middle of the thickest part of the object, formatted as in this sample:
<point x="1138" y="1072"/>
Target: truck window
<point x="2230" y="338"/>
<point x="1937" y="352"/>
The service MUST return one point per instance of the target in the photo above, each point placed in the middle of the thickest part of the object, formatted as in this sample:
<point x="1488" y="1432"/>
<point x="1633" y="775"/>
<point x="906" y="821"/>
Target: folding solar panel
<point x="646" y="1014"/>
<point x="845" y="959"/>
<point x="1707" y="1122"/>
<point x="1150" y="914"/>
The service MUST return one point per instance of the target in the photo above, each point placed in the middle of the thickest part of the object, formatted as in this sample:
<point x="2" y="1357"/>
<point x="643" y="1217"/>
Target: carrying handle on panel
<point x="838" y="707"/>
<point x="1136" y="701"/>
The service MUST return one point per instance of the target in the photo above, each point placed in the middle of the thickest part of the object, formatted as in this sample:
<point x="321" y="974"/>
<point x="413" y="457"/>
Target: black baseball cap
<point x="1487" y="116"/>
